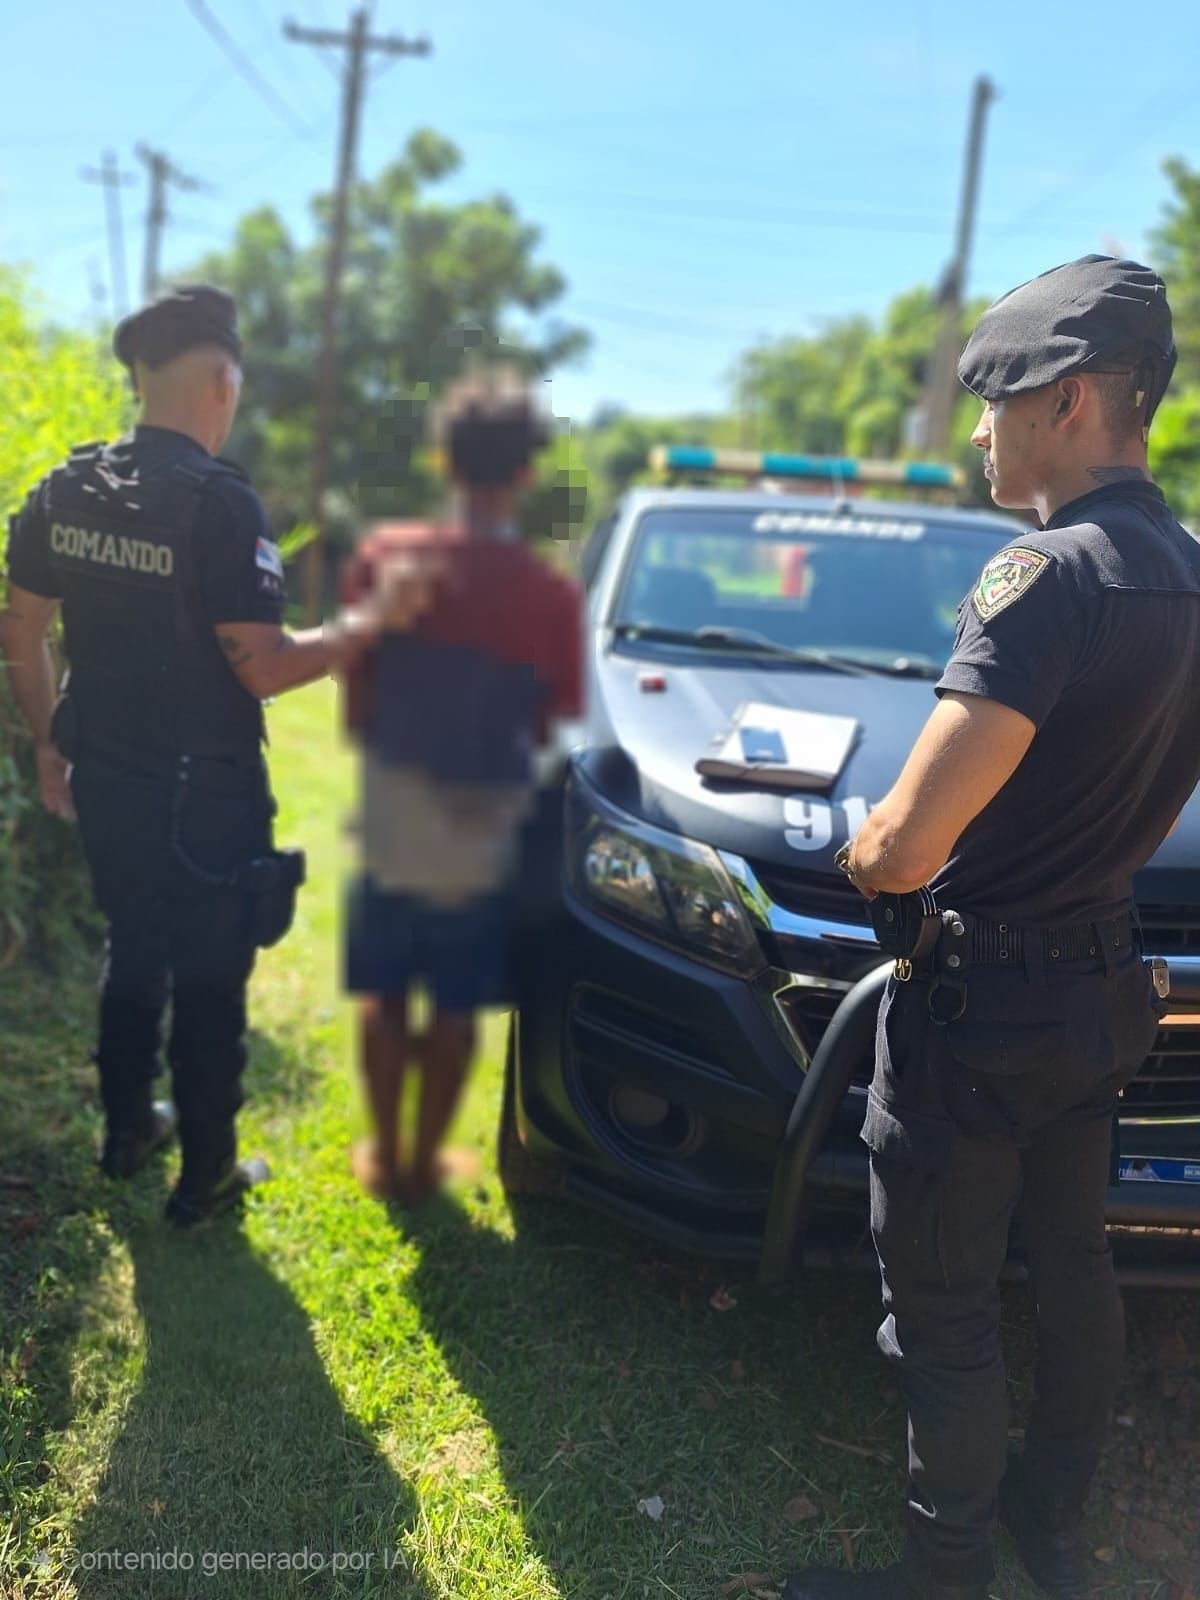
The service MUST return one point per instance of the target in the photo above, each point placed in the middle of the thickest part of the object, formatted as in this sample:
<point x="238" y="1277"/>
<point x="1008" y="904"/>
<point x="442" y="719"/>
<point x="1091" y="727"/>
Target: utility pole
<point x="358" y="44"/>
<point x="941" y="387"/>
<point x="114" y="180"/>
<point x="163" y="173"/>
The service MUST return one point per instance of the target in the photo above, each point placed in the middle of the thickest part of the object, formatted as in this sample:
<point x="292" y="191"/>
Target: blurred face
<point x="1016" y="438"/>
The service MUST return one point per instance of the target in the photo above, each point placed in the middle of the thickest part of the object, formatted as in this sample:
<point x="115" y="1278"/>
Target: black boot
<point x="1056" y="1557"/>
<point x="128" y="1146"/>
<point x="192" y="1203"/>
<point x="885" y="1583"/>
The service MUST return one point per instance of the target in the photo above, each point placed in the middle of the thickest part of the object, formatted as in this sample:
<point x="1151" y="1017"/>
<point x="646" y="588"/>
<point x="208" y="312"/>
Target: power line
<point x="242" y="63"/>
<point x="941" y="386"/>
<point x="113" y="180"/>
<point x="163" y="175"/>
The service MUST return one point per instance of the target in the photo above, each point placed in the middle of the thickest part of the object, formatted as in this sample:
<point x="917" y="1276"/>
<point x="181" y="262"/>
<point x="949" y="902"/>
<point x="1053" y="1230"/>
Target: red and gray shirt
<point x="451" y="712"/>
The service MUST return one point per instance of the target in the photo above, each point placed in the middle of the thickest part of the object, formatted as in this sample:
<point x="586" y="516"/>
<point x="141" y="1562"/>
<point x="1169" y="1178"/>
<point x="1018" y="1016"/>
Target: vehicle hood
<point x="641" y="748"/>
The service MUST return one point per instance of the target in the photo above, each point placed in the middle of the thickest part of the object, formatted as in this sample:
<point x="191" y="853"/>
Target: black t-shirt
<point x="1091" y="629"/>
<point x="238" y="570"/>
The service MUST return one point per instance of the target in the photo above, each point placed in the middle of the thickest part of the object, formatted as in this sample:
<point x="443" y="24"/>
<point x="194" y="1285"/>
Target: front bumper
<point x="723" y="1116"/>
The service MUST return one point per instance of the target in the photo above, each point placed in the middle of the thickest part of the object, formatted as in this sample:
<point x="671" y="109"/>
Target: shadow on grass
<point x="612" y="1382"/>
<point x="770" y="1431"/>
<point x="236" y="1453"/>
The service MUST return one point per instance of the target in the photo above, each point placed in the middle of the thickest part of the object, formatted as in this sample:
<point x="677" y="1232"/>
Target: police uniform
<point x="149" y="543"/>
<point x="999" y="1063"/>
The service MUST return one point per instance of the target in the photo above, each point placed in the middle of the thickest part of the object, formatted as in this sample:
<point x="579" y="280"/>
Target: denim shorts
<point x="462" y="953"/>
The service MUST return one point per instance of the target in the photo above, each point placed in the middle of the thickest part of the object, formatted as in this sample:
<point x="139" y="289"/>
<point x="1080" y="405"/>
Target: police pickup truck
<point x="694" y="1041"/>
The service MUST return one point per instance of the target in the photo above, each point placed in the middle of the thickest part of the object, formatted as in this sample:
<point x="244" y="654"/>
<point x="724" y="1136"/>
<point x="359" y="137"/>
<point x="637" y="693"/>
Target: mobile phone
<point x="763" y="744"/>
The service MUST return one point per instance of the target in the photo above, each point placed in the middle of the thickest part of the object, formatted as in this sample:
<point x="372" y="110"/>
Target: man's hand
<point x="406" y="587"/>
<point x="845" y="863"/>
<point x="53" y="775"/>
<point x="268" y="660"/>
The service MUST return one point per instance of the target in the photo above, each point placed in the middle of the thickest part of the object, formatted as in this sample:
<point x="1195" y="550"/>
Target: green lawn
<point x="479" y="1402"/>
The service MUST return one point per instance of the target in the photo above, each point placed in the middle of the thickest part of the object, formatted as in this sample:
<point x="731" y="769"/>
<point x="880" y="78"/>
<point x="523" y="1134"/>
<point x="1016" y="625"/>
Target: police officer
<point x="172" y="598"/>
<point x="1064" y="744"/>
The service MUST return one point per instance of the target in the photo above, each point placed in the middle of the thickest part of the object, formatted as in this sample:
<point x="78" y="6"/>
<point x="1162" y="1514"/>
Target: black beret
<point x="182" y="318"/>
<point x="1068" y="320"/>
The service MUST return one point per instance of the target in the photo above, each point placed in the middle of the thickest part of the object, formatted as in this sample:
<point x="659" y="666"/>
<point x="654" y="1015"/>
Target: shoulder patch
<point x="266" y="557"/>
<point x="1006" y="578"/>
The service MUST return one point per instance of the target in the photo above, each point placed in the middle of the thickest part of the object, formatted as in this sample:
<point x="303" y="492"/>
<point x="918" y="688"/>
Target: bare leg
<point x="383" y="1050"/>
<point x="446" y="1052"/>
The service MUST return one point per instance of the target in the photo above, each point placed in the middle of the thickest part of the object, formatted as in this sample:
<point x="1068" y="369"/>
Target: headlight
<point x="669" y="887"/>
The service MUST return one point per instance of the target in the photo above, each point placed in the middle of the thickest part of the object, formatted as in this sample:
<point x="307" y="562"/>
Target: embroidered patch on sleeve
<point x="1006" y="578"/>
<point x="266" y="557"/>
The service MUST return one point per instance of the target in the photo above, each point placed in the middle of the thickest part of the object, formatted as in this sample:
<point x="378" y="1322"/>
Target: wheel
<point x="519" y="1172"/>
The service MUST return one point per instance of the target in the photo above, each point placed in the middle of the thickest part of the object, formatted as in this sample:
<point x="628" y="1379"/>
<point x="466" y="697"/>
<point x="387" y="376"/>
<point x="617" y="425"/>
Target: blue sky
<point x="703" y="174"/>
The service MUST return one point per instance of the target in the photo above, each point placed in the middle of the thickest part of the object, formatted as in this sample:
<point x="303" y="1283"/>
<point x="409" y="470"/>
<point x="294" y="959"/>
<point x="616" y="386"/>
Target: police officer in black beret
<point x="1065" y="742"/>
<point x="172" y="596"/>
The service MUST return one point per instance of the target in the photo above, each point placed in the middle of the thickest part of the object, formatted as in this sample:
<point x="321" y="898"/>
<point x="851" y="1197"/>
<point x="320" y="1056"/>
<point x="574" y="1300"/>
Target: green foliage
<point x="1176" y="244"/>
<point x="613" y="452"/>
<point x="1175" y="436"/>
<point x="59" y="390"/>
<point x="1175" y="454"/>
<point x="426" y="286"/>
<point x="852" y="389"/>
<point x="791" y="393"/>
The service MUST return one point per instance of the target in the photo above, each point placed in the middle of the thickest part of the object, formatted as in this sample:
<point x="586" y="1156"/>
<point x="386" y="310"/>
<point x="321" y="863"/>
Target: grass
<point x="484" y="1402"/>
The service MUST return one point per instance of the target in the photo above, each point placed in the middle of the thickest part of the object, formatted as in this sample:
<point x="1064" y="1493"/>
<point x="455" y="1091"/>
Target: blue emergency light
<point x="671" y="458"/>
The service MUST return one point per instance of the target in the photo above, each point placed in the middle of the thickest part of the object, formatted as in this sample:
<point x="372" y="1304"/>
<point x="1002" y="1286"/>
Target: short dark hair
<point x="1122" y="381"/>
<point x="489" y="427"/>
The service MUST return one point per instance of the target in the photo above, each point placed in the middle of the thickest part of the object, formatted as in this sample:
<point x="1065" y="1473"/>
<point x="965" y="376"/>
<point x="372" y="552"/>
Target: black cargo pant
<point x="155" y="840"/>
<point x="1007" y="1110"/>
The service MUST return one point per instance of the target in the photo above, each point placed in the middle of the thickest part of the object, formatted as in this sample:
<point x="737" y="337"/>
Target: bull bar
<point x="846" y="1040"/>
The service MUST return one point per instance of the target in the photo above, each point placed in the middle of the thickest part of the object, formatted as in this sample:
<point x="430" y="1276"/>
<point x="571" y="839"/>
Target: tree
<point x="1176" y="246"/>
<point x="1175" y="453"/>
<point x="789" y="393"/>
<point x="426" y="287"/>
<point x="851" y="389"/>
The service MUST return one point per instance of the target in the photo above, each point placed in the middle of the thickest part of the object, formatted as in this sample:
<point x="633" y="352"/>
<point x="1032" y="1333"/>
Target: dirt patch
<point x="1149" y="1488"/>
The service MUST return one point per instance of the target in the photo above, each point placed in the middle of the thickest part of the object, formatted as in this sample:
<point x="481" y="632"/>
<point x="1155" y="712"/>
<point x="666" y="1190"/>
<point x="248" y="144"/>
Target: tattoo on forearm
<point x="236" y="654"/>
<point x="1107" y="475"/>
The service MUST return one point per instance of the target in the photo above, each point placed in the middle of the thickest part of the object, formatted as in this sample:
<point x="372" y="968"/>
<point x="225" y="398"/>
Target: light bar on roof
<point x="829" y="469"/>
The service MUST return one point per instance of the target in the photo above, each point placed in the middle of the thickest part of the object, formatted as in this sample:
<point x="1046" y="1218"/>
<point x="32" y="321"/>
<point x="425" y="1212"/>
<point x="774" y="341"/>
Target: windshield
<point x="858" y="585"/>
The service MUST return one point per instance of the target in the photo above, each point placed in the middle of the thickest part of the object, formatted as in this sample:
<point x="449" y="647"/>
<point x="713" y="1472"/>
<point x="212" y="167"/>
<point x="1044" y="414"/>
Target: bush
<point x="60" y="389"/>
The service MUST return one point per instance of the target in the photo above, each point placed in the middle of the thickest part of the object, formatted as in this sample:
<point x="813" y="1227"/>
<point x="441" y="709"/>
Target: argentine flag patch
<point x="270" y="566"/>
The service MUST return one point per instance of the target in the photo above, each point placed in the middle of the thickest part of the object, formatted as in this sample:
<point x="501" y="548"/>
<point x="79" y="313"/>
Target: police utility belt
<point x="941" y="947"/>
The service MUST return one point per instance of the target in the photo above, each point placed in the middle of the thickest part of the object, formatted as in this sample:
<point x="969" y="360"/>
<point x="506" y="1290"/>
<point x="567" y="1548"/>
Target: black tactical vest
<point x="146" y="672"/>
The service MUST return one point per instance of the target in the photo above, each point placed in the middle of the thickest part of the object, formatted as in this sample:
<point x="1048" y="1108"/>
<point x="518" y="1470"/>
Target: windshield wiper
<point x="717" y="638"/>
<point x="902" y="667"/>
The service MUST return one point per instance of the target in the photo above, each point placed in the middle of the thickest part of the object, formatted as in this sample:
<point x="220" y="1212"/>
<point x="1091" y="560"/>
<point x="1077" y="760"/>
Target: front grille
<point x="1170" y="930"/>
<point x="813" y="894"/>
<point x="600" y="1016"/>
<point x="1168" y="1084"/>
